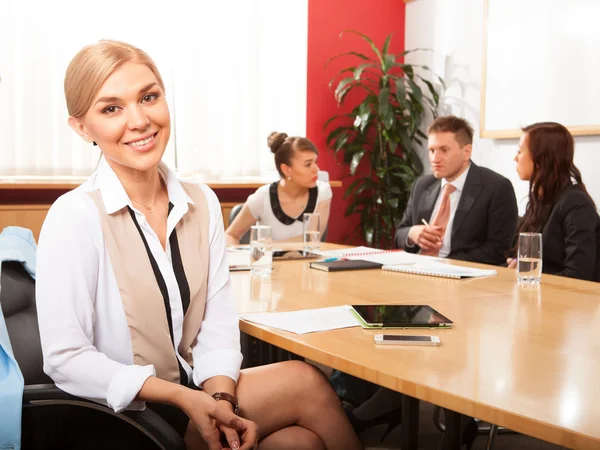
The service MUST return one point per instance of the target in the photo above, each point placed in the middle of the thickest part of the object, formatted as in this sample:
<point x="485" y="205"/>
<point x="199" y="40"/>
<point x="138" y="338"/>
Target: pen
<point x="425" y="223"/>
<point x="331" y="259"/>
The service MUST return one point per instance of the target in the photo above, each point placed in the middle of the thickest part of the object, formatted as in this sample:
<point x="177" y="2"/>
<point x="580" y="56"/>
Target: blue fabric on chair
<point x="11" y="391"/>
<point x="18" y="244"/>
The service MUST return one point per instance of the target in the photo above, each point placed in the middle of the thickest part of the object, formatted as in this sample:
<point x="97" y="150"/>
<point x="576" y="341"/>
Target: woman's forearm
<point x="219" y="383"/>
<point x="161" y="391"/>
<point x="230" y="240"/>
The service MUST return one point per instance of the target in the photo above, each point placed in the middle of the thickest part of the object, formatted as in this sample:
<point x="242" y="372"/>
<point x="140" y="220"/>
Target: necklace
<point x="149" y="208"/>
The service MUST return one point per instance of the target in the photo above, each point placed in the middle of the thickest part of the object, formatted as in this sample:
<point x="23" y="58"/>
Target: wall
<point x="454" y="29"/>
<point x="326" y="19"/>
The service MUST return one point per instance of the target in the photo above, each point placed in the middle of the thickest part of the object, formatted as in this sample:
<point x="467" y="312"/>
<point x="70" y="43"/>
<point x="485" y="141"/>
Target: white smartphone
<point x="396" y="339"/>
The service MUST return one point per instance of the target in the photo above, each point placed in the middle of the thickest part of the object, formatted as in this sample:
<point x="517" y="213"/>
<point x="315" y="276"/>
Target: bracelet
<point x="227" y="397"/>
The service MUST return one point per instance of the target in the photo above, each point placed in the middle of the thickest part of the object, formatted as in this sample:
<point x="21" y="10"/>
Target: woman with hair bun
<point x="282" y="204"/>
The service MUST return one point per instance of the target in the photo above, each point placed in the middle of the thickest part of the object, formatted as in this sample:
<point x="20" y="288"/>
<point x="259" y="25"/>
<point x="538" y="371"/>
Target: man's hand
<point x="428" y="238"/>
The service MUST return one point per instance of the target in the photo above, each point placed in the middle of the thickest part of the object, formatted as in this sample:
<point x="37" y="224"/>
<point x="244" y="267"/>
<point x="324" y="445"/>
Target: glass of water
<point x="311" y="230"/>
<point x="261" y="250"/>
<point x="529" y="259"/>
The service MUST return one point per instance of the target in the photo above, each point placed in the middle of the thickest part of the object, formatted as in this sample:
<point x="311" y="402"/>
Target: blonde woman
<point x="134" y="299"/>
<point x="282" y="204"/>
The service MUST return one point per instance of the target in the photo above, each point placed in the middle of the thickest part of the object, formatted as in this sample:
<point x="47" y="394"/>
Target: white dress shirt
<point x="459" y="184"/>
<point x="259" y="204"/>
<point x="84" y="333"/>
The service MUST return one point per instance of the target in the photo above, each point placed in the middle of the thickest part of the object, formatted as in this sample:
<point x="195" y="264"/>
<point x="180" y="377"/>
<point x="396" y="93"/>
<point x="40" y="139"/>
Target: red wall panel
<point x="326" y="19"/>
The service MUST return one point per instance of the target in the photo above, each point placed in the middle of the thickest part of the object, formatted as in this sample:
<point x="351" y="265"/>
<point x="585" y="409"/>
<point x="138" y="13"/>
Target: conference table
<point x="524" y="358"/>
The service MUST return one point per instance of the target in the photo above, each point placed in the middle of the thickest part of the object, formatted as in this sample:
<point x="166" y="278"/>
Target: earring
<point x="289" y="178"/>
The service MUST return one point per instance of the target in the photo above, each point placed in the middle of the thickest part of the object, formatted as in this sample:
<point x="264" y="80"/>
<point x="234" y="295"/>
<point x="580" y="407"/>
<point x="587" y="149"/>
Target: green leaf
<point x="363" y="116"/>
<point x="359" y="70"/>
<point x="386" y="44"/>
<point x="350" y="150"/>
<point x="368" y="234"/>
<point x="393" y="202"/>
<point x="388" y="62"/>
<point x="356" y="158"/>
<point x="341" y="72"/>
<point x="400" y="91"/>
<point x="342" y="85"/>
<point x="341" y="141"/>
<point x="335" y="133"/>
<point x="434" y="94"/>
<point x="338" y="116"/>
<point x="371" y="43"/>
<point x="353" y="186"/>
<point x="416" y="90"/>
<point x="386" y="114"/>
<point x="359" y="55"/>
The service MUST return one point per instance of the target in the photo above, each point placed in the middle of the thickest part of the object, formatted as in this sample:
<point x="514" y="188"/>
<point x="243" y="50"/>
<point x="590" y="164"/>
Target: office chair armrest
<point x="147" y="421"/>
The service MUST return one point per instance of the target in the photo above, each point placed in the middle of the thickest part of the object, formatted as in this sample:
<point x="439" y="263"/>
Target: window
<point x="234" y="71"/>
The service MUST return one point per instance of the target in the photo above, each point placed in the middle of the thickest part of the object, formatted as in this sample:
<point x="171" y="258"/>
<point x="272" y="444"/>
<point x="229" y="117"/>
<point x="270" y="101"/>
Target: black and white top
<point x="264" y="206"/>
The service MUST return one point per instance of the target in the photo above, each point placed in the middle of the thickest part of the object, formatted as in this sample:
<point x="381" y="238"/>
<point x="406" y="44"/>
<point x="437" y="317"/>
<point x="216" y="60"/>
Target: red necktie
<point x="442" y="216"/>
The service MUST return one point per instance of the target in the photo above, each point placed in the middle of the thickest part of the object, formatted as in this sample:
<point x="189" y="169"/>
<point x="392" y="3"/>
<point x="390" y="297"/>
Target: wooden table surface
<point x="523" y="358"/>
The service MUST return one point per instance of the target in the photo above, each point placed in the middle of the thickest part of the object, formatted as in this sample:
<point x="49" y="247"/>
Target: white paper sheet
<point x="238" y="258"/>
<point x="307" y="320"/>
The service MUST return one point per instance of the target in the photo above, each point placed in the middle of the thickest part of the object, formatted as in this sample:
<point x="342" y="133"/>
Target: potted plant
<point x="381" y="131"/>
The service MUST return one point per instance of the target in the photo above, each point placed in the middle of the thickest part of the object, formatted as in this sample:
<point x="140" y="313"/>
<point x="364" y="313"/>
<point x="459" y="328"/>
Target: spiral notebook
<point x="437" y="269"/>
<point x="386" y="257"/>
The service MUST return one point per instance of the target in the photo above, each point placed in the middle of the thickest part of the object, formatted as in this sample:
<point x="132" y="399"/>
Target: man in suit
<point x="472" y="210"/>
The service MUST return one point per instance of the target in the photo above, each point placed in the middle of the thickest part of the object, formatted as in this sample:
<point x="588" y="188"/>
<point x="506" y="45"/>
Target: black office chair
<point x="17" y="297"/>
<point x="246" y="237"/>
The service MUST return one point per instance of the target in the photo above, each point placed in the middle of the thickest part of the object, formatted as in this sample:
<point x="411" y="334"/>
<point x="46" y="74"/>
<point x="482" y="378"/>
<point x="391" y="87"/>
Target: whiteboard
<point x="541" y="62"/>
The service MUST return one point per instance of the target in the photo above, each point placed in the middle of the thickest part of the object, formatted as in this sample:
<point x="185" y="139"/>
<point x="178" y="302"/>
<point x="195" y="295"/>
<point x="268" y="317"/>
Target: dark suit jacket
<point x="485" y="222"/>
<point x="571" y="237"/>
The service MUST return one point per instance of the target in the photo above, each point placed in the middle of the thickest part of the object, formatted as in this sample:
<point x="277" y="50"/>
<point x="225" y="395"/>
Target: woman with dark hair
<point x="283" y="203"/>
<point x="560" y="206"/>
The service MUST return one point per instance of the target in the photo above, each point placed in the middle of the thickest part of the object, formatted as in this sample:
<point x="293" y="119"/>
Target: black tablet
<point x="400" y="316"/>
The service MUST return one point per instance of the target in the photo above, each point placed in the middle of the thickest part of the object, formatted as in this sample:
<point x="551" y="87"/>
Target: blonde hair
<point x="91" y="67"/>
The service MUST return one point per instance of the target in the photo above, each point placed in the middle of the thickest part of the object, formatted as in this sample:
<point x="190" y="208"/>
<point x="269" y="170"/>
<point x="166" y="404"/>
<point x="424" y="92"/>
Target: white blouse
<point x="84" y="333"/>
<point x="261" y="209"/>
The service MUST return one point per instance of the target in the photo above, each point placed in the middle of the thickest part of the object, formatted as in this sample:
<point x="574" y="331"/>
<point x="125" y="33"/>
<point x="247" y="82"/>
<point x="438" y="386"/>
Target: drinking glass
<point x="311" y="231"/>
<point x="529" y="259"/>
<point x="261" y="250"/>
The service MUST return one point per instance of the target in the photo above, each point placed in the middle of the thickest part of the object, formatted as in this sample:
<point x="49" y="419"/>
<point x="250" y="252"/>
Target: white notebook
<point x="438" y="269"/>
<point x="372" y="254"/>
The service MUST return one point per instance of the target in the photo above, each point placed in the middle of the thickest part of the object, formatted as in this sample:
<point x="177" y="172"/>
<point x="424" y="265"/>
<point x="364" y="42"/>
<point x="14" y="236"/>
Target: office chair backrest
<point x="245" y="239"/>
<point x="17" y="297"/>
